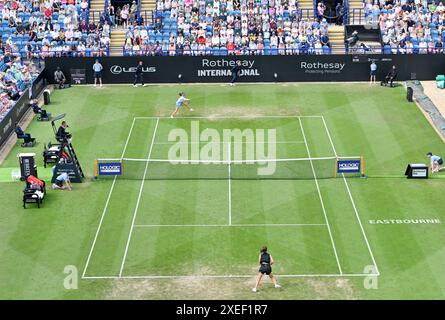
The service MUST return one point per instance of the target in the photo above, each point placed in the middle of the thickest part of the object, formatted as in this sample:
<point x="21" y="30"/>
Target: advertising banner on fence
<point x="284" y="68"/>
<point x="14" y="115"/>
<point x="21" y="106"/>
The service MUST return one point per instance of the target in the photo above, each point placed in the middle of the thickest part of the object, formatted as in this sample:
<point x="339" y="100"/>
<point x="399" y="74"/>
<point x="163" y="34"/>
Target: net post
<point x="96" y="164"/>
<point x="335" y="167"/>
<point x="362" y="166"/>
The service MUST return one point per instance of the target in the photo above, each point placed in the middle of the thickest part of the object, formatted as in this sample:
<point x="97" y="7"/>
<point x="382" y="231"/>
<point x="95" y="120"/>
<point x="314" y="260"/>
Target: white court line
<point x="139" y="199"/>
<point x="230" y="225"/>
<point x="344" y="275"/>
<point x="229" y="117"/>
<point x="222" y="142"/>
<point x="321" y="198"/>
<point x="230" y="184"/>
<point x="352" y="201"/>
<point x="106" y="203"/>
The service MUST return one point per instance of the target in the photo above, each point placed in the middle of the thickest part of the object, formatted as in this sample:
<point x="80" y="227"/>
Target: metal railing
<point x="226" y="52"/>
<point x="306" y="14"/>
<point x="94" y="15"/>
<point x="147" y="15"/>
<point x="357" y="14"/>
<point x="39" y="55"/>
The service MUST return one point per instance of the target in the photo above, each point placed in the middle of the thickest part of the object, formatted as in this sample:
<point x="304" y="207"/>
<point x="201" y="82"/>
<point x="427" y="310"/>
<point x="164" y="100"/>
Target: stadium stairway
<point x="147" y="5"/>
<point x="305" y="5"/>
<point x="337" y="38"/>
<point x="356" y="17"/>
<point x="96" y="6"/>
<point x="117" y="42"/>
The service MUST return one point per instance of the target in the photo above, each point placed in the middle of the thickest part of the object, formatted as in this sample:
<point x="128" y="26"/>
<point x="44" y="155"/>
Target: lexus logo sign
<point x="118" y="69"/>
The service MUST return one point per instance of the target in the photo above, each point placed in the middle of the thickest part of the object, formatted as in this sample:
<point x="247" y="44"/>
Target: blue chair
<point x="386" y="49"/>
<point x="326" y="50"/>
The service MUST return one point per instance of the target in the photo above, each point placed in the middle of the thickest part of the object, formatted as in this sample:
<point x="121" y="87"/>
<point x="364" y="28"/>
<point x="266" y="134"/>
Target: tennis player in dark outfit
<point x="235" y="72"/>
<point x="139" y="75"/>
<point x="266" y="262"/>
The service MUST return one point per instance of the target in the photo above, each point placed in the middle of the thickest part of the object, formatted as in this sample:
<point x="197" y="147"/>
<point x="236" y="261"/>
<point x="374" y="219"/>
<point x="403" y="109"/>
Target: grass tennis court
<point x="154" y="237"/>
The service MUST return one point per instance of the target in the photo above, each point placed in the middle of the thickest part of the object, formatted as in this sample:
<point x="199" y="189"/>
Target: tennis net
<point x="278" y="169"/>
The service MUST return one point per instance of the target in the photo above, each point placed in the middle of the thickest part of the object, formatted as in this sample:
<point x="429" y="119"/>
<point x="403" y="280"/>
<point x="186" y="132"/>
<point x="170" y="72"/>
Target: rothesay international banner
<point x="282" y="68"/>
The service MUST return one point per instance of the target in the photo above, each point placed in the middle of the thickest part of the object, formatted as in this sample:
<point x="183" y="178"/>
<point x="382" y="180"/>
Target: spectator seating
<point x="15" y="77"/>
<point x="220" y="27"/>
<point x="60" y="29"/>
<point x="409" y="28"/>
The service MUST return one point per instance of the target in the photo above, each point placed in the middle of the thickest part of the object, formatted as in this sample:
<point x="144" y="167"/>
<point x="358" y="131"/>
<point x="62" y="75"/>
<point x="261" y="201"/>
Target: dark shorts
<point x="440" y="161"/>
<point x="373" y="72"/>
<point x="98" y="75"/>
<point x="265" y="269"/>
<point x="58" y="183"/>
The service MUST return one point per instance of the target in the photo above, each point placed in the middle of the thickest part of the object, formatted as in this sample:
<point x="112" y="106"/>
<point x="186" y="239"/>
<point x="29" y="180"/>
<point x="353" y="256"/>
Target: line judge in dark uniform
<point x="139" y="74"/>
<point x="235" y="72"/>
<point x="266" y="262"/>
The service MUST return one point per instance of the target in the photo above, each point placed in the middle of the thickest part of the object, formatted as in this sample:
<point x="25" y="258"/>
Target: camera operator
<point x="353" y="39"/>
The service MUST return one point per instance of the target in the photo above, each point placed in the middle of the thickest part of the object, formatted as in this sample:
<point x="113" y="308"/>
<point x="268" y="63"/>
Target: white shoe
<point x="277" y="286"/>
<point x="135" y="85"/>
<point x="191" y="109"/>
<point x="171" y="117"/>
<point x="145" y="85"/>
<point x="254" y="290"/>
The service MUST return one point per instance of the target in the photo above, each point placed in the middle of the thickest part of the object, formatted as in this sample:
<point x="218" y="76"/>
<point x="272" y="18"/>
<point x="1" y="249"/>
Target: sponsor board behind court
<point x="299" y="68"/>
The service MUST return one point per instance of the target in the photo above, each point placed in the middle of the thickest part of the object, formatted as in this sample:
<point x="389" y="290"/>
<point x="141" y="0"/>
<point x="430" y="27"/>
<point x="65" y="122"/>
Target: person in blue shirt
<point x="373" y="68"/>
<point x="181" y="102"/>
<point x="97" y="67"/>
<point x="62" y="182"/>
<point x="436" y="162"/>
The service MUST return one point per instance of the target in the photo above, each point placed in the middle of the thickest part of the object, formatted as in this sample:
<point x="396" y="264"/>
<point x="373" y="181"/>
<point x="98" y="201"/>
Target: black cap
<point x="429" y="154"/>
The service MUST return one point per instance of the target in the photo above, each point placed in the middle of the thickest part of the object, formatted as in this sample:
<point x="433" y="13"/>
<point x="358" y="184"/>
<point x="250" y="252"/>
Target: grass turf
<point x="37" y="244"/>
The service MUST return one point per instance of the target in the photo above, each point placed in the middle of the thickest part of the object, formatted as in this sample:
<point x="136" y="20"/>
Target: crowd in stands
<point x="14" y="78"/>
<point x="409" y="26"/>
<point x="219" y="27"/>
<point x="35" y="28"/>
